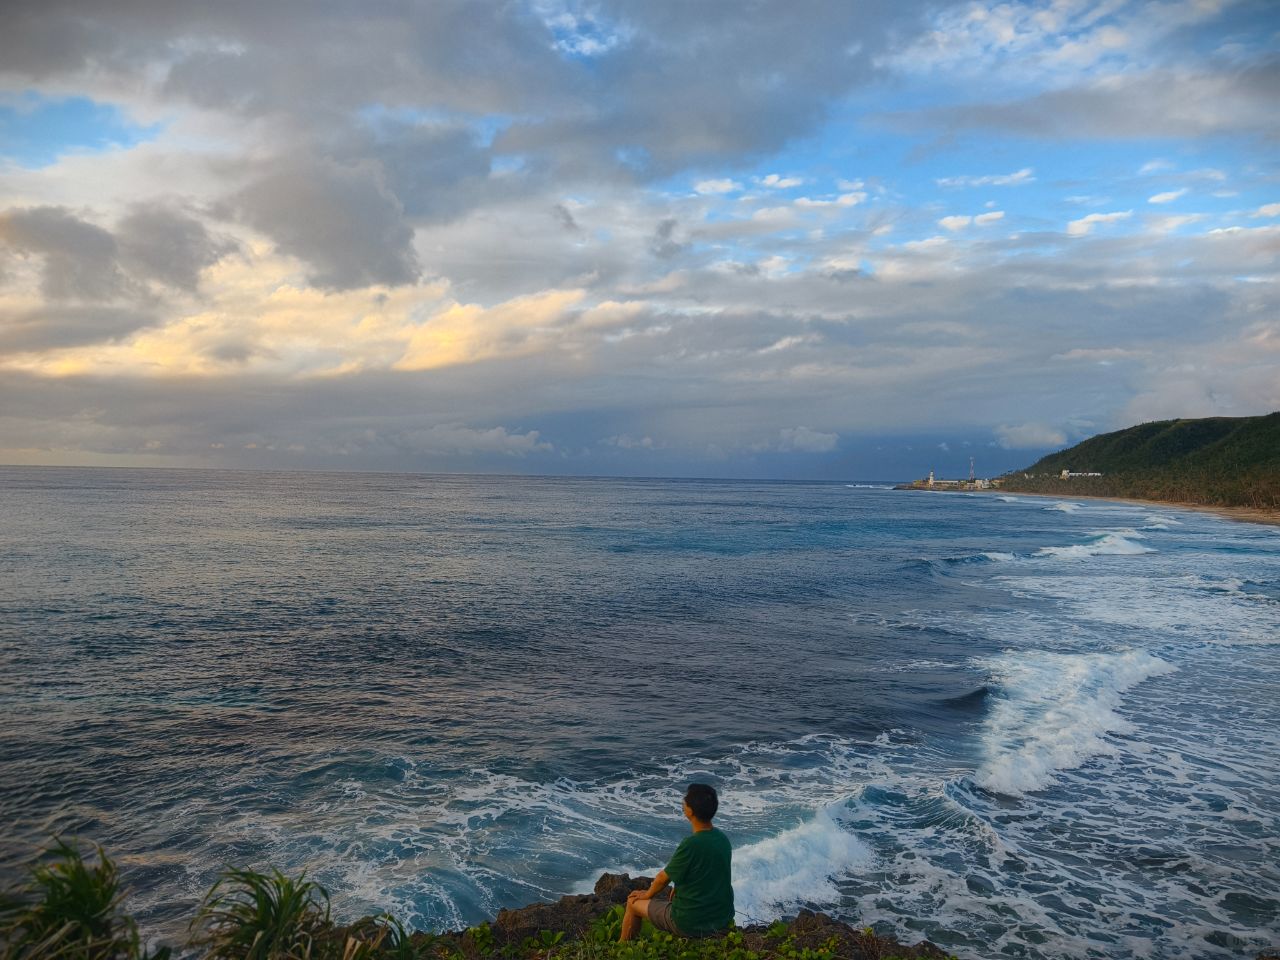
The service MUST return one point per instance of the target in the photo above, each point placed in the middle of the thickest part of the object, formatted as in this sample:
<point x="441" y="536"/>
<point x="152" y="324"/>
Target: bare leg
<point x="632" y="917"/>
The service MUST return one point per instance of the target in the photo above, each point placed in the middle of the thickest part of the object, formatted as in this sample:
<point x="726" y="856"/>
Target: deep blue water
<point x="1018" y="726"/>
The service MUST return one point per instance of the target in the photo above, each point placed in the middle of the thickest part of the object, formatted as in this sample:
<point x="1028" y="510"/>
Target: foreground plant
<point x="254" y="916"/>
<point x="69" y="909"/>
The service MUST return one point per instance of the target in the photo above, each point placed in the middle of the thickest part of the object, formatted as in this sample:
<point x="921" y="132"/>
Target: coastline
<point x="1242" y="514"/>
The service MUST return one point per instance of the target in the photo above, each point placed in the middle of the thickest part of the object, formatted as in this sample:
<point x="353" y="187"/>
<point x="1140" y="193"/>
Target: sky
<point x="793" y="239"/>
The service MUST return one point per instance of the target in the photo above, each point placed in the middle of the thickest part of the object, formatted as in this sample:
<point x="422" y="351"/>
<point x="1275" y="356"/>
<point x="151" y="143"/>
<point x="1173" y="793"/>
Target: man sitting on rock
<point x="700" y="869"/>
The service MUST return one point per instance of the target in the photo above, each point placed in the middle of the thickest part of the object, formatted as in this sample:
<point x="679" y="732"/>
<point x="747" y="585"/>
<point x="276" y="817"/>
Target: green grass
<point x="69" y="908"/>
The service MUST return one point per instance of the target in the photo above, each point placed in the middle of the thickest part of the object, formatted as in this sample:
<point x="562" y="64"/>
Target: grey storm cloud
<point x="1161" y="103"/>
<point x="663" y="244"/>
<point x="746" y="80"/>
<point x="80" y="258"/>
<point x="340" y="218"/>
<point x="84" y="261"/>
<point x="167" y="245"/>
<point x="96" y="280"/>
<point x="52" y="327"/>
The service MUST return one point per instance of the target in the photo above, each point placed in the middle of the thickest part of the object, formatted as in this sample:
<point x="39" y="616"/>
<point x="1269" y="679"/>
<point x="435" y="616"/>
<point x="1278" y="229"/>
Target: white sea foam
<point x="1158" y="521"/>
<point x="999" y="557"/>
<point x="1064" y="507"/>
<point x="1008" y="499"/>
<point x="868" y="486"/>
<point x="1189" y="607"/>
<point x="1116" y="544"/>
<point x="1053" y="711"/>
<point x="798" y="867"/>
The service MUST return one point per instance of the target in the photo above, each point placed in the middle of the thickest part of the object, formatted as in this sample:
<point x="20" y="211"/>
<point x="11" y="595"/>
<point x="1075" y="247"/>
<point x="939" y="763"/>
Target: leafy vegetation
<point x="252" y="916"/>
<point x="1216" y="461"/>
<point x="70" y="909"/>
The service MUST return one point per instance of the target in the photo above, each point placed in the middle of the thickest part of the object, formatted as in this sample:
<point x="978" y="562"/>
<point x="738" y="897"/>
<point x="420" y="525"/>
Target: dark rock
<point x="572" y="914"/>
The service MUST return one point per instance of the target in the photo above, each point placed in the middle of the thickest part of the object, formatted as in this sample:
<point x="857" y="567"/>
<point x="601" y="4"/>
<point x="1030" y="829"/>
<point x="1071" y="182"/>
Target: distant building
<point x="1067" y="475"/>
<point x="931" y="482"/>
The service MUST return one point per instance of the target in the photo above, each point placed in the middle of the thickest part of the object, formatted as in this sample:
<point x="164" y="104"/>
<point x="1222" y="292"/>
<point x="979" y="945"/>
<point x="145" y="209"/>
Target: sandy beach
<point x="1243" y="514"/>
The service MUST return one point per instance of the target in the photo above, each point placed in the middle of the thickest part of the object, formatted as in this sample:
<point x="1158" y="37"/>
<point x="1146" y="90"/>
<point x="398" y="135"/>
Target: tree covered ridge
<point x="1216" y="461"/>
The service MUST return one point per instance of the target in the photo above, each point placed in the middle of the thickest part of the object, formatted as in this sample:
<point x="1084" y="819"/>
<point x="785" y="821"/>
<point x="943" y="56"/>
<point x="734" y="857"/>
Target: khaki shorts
<point x="660" y="916"/>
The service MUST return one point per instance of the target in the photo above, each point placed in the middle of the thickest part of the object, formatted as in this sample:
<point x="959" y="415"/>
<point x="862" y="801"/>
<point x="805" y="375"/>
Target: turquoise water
<point x="1018" y="726"/>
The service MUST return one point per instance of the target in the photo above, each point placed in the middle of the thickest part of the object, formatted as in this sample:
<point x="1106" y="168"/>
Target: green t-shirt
<point x="700" y="869"/>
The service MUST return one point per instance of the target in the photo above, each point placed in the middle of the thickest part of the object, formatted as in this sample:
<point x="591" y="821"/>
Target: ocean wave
<point x="1115" y="544"/>
<point x="1064" y="507"/>
<point x="869" y="486"/>
<point x="798" y="867"/>
<point x="1189" y="607"/>
<point x="1052" y="712"/>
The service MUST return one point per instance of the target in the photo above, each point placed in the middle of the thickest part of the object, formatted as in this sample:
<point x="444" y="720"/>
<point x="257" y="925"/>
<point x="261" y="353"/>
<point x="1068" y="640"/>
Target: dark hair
<point x="702" y="800"/>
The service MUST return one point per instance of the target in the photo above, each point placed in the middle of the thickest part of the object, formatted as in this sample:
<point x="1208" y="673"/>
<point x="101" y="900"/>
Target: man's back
<point x="701" y="869"/>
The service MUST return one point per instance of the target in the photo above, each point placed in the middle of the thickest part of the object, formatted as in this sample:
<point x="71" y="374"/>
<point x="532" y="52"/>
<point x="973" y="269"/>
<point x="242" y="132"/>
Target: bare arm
<point x="659" y="884"/>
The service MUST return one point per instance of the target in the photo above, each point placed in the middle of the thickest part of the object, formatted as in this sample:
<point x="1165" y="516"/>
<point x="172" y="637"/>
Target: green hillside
<point x="1219" y="461"/>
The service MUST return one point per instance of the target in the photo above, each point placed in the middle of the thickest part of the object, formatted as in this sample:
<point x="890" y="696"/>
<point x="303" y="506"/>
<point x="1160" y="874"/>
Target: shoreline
<point x="1260" y="515"/>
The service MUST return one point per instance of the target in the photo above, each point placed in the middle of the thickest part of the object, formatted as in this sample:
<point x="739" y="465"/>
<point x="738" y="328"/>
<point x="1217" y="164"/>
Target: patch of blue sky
<point x="484" y="127"/>
<point x="36" y="130"/>
<point x="578" y="33"/>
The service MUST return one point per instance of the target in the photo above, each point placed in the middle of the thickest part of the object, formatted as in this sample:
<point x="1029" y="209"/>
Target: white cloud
<point x="457" y="439"/>
<point x="779" y="183"/>
<point x="850" y="184"/>
<point x="955" y="223"/>
<point x="625" y="441"/>
<point x="983" y="219"/>
<point x="1168" y="196"/>
<point x="843" y="200"/>
<point x="806" y="440"/>
<point x="1025" y="175"/>
<point x="1028" y="436"/>
<point x="1172" y="223"/>
<point x="1267" y="210"/>
<point x="711" y="187"/>
<point x="1078" y="228"/>
<point x="1154" y="166"/>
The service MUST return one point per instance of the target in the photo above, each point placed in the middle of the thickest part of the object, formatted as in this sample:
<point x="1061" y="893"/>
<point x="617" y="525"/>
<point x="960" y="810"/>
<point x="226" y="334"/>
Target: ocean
<point x="1017" y="726"/>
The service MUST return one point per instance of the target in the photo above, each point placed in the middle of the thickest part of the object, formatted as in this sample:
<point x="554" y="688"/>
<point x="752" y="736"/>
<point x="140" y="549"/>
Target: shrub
<point x="254" y="916"/>
<point x="69" y="909"/>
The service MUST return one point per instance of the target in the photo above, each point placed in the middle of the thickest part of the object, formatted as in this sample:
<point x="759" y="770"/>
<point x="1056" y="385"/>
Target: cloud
<point x="1162" y="103"/>
<point x="714" y="187"/>
<point x="453" y="439"/>
<point x="80" y="258"/>
<point x="955" y="223"/>
<point x="1078" y="228"/>
<point x="1029" y="436"/>
<point x="564" y="217"/>
<point x="984" y="219"/>
<point x="806" y="440"/>
<point x="1267" y="210"/>
<point x="1168" y="196"/>
<point x="339" y="219"/>
<point x="776" y="182"/>
<point x="663" y="244"/>
<point x="851" y="199"/>
<point x="166" y="245"/>
<point x="469" y="333"/>
<point x="56" y="327"/>
<point x="1025" y="175"/>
